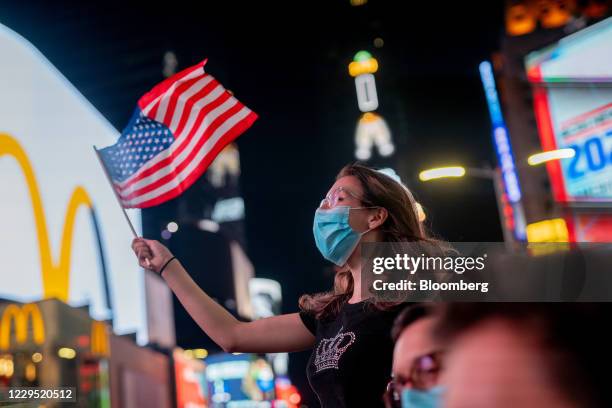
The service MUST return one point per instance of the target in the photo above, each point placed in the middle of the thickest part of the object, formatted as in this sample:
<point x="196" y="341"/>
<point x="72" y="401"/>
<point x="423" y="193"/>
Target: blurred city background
<point x="454" y="99"/>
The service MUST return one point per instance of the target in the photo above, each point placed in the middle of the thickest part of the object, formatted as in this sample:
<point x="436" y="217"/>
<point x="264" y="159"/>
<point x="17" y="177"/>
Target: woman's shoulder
<point x="309" y="320"/>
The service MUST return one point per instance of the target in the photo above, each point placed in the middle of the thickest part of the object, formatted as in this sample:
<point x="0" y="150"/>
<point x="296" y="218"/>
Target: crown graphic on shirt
<point x="330" y="350"/>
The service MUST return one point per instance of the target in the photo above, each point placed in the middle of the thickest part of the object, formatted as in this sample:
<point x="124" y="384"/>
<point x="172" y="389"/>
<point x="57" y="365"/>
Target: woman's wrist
<point x="167" y="265"/>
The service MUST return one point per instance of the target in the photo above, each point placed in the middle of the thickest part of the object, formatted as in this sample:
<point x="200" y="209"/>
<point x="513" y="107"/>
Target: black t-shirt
<point x="350" y="365"/>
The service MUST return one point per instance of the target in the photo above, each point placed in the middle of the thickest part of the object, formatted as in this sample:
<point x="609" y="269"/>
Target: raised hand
<point x="152" y="254"/>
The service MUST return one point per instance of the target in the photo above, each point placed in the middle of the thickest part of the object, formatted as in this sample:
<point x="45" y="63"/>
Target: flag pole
<point x="110" y="181"/>
<point x="108" y="177"/>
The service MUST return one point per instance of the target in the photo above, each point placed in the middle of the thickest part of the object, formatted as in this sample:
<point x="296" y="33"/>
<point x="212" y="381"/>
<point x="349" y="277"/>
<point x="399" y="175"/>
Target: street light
<point x="489" y="173"/>
<point x="441" y="172"/>
<point x="495" y="176"/>
<point x="543" y="157"/>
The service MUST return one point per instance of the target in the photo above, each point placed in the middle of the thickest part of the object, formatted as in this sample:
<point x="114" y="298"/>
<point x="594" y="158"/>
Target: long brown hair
<point x="402" y="225"/>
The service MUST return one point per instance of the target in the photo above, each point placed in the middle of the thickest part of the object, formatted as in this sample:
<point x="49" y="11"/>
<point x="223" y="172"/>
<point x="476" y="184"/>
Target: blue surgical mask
<point x="431" y="398"/>
<point x="335" y="238"/>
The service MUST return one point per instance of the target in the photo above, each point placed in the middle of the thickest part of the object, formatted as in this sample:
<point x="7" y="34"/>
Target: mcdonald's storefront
<point x="50" y="344"/>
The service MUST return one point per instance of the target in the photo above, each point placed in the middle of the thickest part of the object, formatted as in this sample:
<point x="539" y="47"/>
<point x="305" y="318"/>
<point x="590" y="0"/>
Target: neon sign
<point x="500" y="135"/>
<point x="372" y="130"/>
<point x="21" y="315"/>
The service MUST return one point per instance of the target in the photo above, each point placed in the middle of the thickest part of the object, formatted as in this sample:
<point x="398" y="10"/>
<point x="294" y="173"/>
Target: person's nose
<point x="408" y="385"/>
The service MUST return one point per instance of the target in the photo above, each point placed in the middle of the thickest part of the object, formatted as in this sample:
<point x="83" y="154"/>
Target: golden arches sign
<point x="55" y="274"/>
<point x="99" y="339"/>
<point x="20" y="315"/>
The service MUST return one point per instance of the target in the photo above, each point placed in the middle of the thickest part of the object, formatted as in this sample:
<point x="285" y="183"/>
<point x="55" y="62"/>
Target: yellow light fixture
<point x="553" y="230"/>
<point x="441" y="172"/>
<point x="520" y="20"/>
<point x="7" y="366"/>
<point x="37" y="357"/>
<point x="30" y="372"/>
<point x="543" y="157"/>
<point x="67" y="353"/>
<point x="555" y="13"/>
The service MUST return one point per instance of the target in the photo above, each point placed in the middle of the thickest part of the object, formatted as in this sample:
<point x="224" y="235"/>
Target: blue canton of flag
<point x="140" y="141"/>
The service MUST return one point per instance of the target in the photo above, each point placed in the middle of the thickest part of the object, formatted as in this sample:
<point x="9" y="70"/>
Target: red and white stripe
<point x="203" y="118"/>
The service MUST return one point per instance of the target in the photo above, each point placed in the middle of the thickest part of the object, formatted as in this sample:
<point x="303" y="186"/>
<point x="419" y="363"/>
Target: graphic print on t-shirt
<point x="329" y="351"/>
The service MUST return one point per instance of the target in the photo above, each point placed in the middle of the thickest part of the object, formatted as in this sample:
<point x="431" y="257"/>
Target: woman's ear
<point x="377" y="218"/>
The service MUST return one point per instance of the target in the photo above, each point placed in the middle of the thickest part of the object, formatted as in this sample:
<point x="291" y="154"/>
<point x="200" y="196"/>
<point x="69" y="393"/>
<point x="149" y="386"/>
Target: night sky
<point x="288" y="62"/>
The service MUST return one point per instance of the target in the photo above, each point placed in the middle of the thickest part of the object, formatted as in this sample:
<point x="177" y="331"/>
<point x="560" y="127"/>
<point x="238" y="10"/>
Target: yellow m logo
<point x="55" y="274"/>
<point x="99" y="338"/>
<point x="21" y="316"/>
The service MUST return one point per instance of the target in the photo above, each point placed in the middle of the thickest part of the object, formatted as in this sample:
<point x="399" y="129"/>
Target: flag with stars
<point x="175" y="133"/>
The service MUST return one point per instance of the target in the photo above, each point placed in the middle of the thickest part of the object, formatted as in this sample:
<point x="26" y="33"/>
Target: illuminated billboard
<point x="190" y="381"/>
<point x="572" y="87"/>
<point x="61" y="227"/>
<point x="239" y="380"/>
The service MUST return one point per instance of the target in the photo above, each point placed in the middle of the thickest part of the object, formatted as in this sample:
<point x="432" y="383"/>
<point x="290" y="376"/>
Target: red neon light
<point x="547" y="136"/>
<point x="590" y="227"/>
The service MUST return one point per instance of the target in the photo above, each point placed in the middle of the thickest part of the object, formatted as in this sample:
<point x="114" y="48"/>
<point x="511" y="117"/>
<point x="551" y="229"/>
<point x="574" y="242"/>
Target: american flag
<point x="176" y="132"/>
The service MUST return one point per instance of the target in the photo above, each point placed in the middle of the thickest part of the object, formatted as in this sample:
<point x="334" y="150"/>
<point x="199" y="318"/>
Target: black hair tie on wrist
<point x="166" y="264"/>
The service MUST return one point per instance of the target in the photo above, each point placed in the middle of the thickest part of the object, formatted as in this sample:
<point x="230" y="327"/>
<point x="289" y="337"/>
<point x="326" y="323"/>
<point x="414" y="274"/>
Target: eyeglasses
<point x="423" y="376"/>
<point x="336" y="196"/>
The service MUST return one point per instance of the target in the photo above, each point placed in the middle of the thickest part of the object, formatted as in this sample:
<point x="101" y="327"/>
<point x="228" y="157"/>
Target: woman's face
<point x="347" y="191"/>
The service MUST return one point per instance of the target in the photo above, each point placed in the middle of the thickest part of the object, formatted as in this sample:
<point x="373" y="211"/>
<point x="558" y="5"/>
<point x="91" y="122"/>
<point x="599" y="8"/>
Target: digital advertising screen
<point x="190" y="381"/>
<point x="239" y="380"/>
<point x="62" y="228"/>
<point x="572" y="88"/>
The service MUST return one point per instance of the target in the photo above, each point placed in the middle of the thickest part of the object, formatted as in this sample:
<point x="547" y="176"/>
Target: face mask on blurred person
<point x="431" y="398"/>
<point x="335" y="238"/>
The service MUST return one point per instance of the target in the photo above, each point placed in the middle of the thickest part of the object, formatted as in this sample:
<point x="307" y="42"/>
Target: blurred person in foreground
<point x="511" y="355"/>
<point x="347" y="328"/>
<point x="417" y="360"/>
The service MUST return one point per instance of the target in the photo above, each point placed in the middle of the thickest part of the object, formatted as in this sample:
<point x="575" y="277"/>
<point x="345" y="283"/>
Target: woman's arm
<point x="276" y="334"/>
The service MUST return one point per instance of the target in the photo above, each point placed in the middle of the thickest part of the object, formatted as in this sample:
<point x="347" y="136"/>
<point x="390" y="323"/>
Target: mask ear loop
<point x="361" y="234"/>
<point x="365" y="232"/>
<point x="365" y="208"/>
